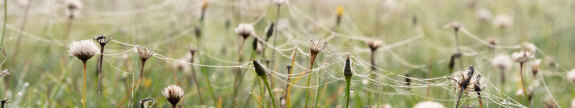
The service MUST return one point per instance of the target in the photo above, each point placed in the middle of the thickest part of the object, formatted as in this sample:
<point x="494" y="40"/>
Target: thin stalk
<point x="317" y="90"/>
<point x="372" y="59"/>
<point x="99" y="75"/>
<point x="480" y="101"/>
<point x="22" y="27"/>
<point x="523" y="82"/>
<point x="238" y="72"/>
<point x="5" y="20"/>
<point x="196" y="80"/>
<point x="135" y="87"/>
<point x="290" y="71"/>
<point x="458" y="47"/>
<point x="347" y="90"/>
<point x="459" y="97"/>
<point x="269" y="91"/>
<point x="309" y="78"/>
<point x="174" y="106"/>
<point x="209" y="84"/>
<point x="70" y="21"/>
<point x="84" y="96"/>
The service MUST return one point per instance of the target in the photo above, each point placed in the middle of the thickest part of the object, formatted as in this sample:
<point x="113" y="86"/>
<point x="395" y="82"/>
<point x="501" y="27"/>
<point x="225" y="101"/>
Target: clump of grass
<point x="261" y="71"/>
<point x="173" y="94"/>
<point x="102" y="40"/>
<point x="83" y="50"/>
<point x="316" y="46"/>
<point x="348" y="74"/>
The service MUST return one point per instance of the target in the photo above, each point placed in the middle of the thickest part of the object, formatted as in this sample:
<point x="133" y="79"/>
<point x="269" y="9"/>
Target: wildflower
<point x="173" y="94"/>
<point x="144" y="53"/>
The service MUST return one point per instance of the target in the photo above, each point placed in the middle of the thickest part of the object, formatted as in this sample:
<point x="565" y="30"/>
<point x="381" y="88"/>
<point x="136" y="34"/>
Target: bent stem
<point x="309" y="78"/>
<point x="84" y="96"/>
<point x="269" y="91"/>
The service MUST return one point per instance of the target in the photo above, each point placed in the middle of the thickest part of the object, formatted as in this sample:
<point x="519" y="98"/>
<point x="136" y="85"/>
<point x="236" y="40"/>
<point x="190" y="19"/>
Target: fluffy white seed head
<point x="522" y="56"/>
<point x="74" y="7"/>
<point x="502" y="61"/>
<point x="83" y="49"/>
<point x="503" y="21"/>
<point x="245" y="30"/>
<point x="316" y="46"/>
<point x="173" y="94"/>
<point x="571" y="75"/>
<point x="535" y="63"/>
<point x="484" y="14"/>
<point x="429" y="104"/>
<point x="529" y="47"/>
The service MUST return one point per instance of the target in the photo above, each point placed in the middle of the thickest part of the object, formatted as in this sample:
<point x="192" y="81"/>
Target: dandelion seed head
<point x="173" y="94"/>
<point x="245" y="30"/>
<point x="83" y="49"/>
<point x="429" y="104"/>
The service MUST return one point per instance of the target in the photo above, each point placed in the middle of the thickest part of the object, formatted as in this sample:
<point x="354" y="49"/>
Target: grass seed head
<point x="173" y="94"/>
<point x="83" y="49"/>
<point x="245" y="30"/>
<point x="144" y="53"/>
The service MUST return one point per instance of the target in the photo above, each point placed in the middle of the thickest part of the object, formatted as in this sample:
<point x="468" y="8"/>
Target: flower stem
<point x="523" y="82"/>
<point x="238" y="79"/>
<point x="347" y="90"/>
<point x="84" y="96"/>
<point x="196" y="80"/>
<point x="309" y="78"/>
<point x="100" y="75"/>
<point x="269" y="91"/>
<point x="5" y="20"/>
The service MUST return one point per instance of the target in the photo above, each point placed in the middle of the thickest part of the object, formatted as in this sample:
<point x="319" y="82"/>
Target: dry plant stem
<point x="458" y="48"/>
<point x="308" y="92"/>
<point x="135" y="87"/>
<point x="290" y="71"/>
<point x="429" y="77"/>
<point x="480" y="101"/>
<point x="99" y="75"/>
<point x="196" y="81"/>
<point x="459" y="97"/>
<point x="237" y="83"/>
<point x="523" y="82"/>
<point x="22" y="27"/>
<point x="372" y="76"/>
<point x="84" y="96"/>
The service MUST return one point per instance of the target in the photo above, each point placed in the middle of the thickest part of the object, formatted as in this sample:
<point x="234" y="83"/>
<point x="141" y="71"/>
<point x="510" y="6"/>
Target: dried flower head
<point x="522" y="56"/>
<point x="535" y="64"/>
<point x="281" y="2"/>
<point x="4" y="72"/>
<point x="173" y="94"/>
<point x="529" y="47"/>
<point x="501" y="61"/>
<point x="571" y="76"/>
<point x="456" y="25"/>
<point x="147" y="102"/>
<point x="429" y="104"/>
<point x="503" y="21"/>
<point x="245" y="30"/>
<point x="484" y="14"/>
<point x="492" y="42"/>
<point x="316" y="46"/>
<point x="74" y="7"/>
<point x="144" y="53"/>
<point x="374" y="44"/>
<point x="83" y="49"/>
<point x="102" y="39"/>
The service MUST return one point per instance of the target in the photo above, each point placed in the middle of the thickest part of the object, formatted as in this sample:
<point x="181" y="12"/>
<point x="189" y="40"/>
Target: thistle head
<point x="374" y="44"/>
<point x="173" y="94"/>
<point x="144" y="53"/>
<point x="501" y="61"/>
<point x="102" y="39"/>
<point x="83" y="49"/>
<point x="316" y="46"/>
<point x="347" y="68"/>
<point x="245" y="30"/>
<point x="260" y="70"/>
